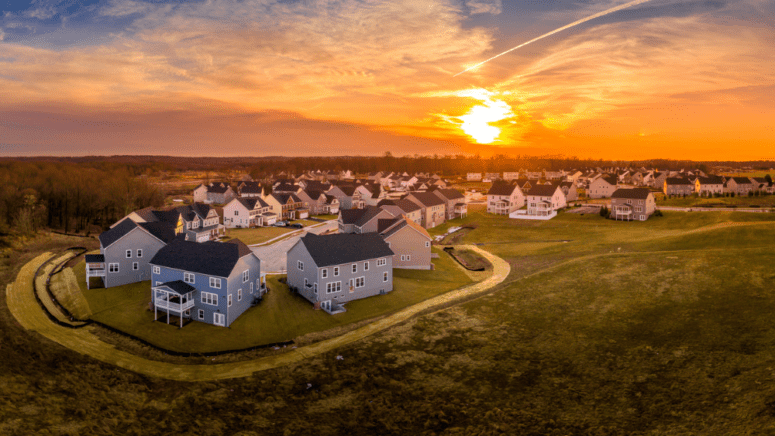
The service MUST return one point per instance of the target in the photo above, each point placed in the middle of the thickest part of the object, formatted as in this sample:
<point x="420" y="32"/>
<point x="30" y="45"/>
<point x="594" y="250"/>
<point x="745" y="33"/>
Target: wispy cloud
<point x="484" y="6"/>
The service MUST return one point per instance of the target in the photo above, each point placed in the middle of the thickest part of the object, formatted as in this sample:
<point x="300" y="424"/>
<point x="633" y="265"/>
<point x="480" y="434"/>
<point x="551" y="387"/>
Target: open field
<point x="280" y="317"/>
<point x="750" y="174"/>
<point x="661" y="327"/>
<point x="764" y="201"/>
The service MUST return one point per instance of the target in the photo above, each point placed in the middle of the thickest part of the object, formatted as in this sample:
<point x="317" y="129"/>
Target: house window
<point x="355" y="268"/>
<point x="306" y="283"/>
<point x="129" y="254"/>
<point x="236" y="213"/>
<point x="385" y="276"/>
<point x="333" y="287"/>
<point x="135" y="266"/>
<point x="324" y="273"/>
<point x="245" y="276"/>
<point x="139" y="252"/>
<point x="201" y="314"/>
<point x="239" y="294"/>
<point x="427" y="244"/>
<point x="300" y="265"/>
<point x="228" y="300"/>
<point x="210" y="298"/>
<point x="403" y="258"/>
<point x="366" y="266"/>
<point x="336" y="271"/>
<point x="219" y="319"/>
<point x="188" y="277"/>
<point x="156" y="270"/>
<point x="251" y="288"/>
<point x="408" y="257"/>
<point x="381" y="262"/>
<point x="113" y="267"/>
<point x="215" y="283"/>
<point x="360" y="282"/>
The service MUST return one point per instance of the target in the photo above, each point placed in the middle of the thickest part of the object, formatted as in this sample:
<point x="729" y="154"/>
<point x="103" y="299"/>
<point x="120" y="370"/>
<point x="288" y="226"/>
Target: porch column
<point x="155" y="311"/>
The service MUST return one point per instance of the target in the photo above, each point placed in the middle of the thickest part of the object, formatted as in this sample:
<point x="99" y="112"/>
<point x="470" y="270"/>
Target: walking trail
<point x="22" y="304"/>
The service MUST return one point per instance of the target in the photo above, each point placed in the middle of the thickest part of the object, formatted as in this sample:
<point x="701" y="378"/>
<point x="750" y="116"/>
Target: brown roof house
<point x="678" y="186"/>
<point x="504" y="198"/>
<point x="410" y="242"/>
<point x="632" y="204"/>
<point x="545" y="201"/>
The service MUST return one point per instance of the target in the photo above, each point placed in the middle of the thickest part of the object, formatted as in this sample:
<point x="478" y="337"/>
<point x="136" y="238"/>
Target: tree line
<point x="70" y="197"/>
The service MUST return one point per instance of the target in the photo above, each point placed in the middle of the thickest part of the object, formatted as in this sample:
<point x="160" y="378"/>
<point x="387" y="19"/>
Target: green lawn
<point x="281" y="316"/>
<point x="257" y="235"/>
<point x="764" y="201"/>
<point x="327" y="217"/>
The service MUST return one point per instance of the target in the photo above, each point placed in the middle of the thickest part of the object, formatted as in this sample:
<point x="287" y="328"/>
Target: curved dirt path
<point x="25" y="309"/>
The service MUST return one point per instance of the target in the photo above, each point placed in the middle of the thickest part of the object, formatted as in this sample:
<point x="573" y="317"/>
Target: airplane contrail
<point x="573" y="24"/>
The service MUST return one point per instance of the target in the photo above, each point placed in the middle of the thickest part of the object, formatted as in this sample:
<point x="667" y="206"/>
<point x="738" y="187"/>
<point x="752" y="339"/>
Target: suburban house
<point x="708" y="186"/>
<point x="212" y="282"/>
<point x="761" y="184"/>
<point x="739" y="185"/>
<point x="362" y="220"/>
<point x="285" y="206"/>
<point x="455" y="202"/>
<point x="250" y="189"/>
<point x="433" y="208"/>
<point x="125" y="251"/>
<point x="504" y="198"/>
<point x="214" y="193"/>
<point x="632" y="204"/>
<point x="403" y="207"/>
<point x="410" y="242"/>
<point x="198" y="221"/>
<point x="329" y="270"/>
<point x="491" y="177"/>
<point x="348" y="196"/>
<point x="602" y="187"/>
<point x="545" y="200"/>
<point x="569" y="189"/>
<point x="658" y="179"/>
<point x="246" y="212"/>
<point x="474" y="177"/>
<point x="678" y="186"/>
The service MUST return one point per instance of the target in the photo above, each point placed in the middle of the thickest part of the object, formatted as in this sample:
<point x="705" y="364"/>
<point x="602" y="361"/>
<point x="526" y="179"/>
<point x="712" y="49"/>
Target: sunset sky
<point x="679" y="79"/>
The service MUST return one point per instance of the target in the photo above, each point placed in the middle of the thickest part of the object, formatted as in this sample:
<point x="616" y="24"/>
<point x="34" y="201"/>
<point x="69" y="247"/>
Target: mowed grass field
<point x="280" y="317"/>
<point x="258" y="235"/>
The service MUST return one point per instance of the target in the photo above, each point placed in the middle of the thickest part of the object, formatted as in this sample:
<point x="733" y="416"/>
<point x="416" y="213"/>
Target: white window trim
<point x="209" y="298"/>
<point x="381" y="262"/>
<point x="385" y="276"/>
<point x="135" y="266"/>
<point x="222" y="317"/>
<point x="362" y="279"/>
<point x="201" y="314"/>
<point x="366" y="265"/>
<point x="300" y="265"/>
<point x="355" y="268"/>
<point x="156" y="270"/>
<point x="139" y="252"/>
<point x="228" y="300"/>
<point x="336" y="271"/>
<point x="215" y="283"/>
<point x="324" y="273"/>
<point x="110" y="267"/>
<point x="246" y="276"/>
<point x="239" y="294"/>
<point x="333" y="287"/>
<point x="129" y="254"/>
<point x="187" y="276"/>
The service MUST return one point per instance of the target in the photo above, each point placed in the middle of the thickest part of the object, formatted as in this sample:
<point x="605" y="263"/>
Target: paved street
<point x="274" y="256"/>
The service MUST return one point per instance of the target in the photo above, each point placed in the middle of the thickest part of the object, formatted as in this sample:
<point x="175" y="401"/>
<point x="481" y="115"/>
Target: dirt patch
<point x="468" y="259"/>
<point x="456" y="238"/>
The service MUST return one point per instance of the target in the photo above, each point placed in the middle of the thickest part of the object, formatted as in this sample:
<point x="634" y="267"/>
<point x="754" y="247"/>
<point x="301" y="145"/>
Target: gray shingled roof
<point x="543" y="190"/>
<point x="450" y="194"/>
<point x="178" y="286"/>
<point x="340" y="248"/>
<point x="427" y="198"/>
<point x="117" y="232"/>
<point x="632" y="194"/>
<point x="210" y="258"/>
<point x="501" y="188"/>
<point x="94" y="258"/>
<point x="682" y="181"/>
<point x="163" y="231"/>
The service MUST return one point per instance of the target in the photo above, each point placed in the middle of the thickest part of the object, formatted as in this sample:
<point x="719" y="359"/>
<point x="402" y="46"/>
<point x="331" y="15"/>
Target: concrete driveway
<point x="274" y="256"/>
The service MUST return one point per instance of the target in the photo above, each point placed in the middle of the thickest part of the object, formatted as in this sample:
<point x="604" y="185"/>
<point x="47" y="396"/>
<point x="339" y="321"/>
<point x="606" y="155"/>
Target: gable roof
<point x="682" y="181"/>
<point x="218" y="188"/>
<point x="711" y="180"/>
<point x="501" y="188"/>
<point x="110" y="236"/>
<point x="339" y="248"/>
<point x="543" y="190"/>
<point x="210" y="258"/>
<point x="741" y="180"/>
<point x="159" y="230"/>
<point x="449" y="194"/>
<point x="427" y="198"/>
<point x="162" y="231"/>
<point x="178" y="286"/>
<point x="633" y="193"/>
<point x="402" y="222"/>
<point x="385" y="223"/>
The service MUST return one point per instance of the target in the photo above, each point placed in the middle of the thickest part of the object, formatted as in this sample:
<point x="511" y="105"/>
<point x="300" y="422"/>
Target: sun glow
<point x="477" y="122"/>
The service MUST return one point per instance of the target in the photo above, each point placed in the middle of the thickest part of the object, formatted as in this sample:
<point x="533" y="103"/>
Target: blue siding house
<point x="211" y="282"/>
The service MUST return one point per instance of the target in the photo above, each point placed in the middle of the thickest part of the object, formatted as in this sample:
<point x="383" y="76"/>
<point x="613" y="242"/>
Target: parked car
<point x="280" y="224"/>
<point x="297" y="225"/>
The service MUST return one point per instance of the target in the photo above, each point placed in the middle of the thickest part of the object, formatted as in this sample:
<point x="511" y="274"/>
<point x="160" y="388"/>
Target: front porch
<point x="622" y="212"/>
<point x="460" y="210"/>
